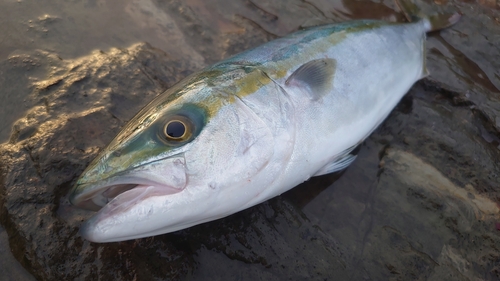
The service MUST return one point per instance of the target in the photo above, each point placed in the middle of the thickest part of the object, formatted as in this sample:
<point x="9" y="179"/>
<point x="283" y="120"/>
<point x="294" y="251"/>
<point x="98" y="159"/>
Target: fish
<point x="251" y="127"/>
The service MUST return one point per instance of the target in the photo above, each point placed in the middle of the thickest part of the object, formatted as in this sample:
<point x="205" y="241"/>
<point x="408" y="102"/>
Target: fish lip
<point x="84" y="192"/>
<point x="95" y="195"/>
<point x="110" y="216"/>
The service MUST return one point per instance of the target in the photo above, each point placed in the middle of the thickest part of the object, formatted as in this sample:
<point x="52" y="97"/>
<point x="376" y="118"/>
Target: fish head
<point x="183" y="160"/>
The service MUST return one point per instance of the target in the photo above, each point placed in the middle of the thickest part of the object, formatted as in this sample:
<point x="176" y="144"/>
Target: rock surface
<point x="419" y="203"/>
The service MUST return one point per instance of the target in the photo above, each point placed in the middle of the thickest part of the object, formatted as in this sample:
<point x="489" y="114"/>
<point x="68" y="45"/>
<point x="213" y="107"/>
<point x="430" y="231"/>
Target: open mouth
<point x="125" y="191"/>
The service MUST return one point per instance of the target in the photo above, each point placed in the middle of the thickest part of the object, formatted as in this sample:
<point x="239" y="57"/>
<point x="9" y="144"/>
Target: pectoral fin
<point x="337" y="165"/>
<point x="314" y="78"/>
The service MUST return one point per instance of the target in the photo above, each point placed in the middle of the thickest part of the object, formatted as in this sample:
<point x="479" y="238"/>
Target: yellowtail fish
<point x="251" y="127"/>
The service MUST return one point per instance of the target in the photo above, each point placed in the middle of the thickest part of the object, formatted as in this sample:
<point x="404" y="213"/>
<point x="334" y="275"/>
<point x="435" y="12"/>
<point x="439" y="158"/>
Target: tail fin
<point x="440" y="21"/>
<point x="432" y="23"/>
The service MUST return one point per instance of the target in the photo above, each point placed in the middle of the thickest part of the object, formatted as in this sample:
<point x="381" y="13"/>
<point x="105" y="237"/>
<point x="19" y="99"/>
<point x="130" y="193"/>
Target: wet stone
<point x="52" y="145"/>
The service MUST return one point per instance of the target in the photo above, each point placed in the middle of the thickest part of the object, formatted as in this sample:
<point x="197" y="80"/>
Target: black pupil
<point x="175" y="129"/>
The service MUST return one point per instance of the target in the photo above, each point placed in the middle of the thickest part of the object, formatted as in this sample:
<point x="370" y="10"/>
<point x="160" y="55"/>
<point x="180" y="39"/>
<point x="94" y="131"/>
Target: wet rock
<point x="82" y="106"/>
<point x="81" y="110"/>
<point x="11" y="270"/>
<point x="420" y="194"/>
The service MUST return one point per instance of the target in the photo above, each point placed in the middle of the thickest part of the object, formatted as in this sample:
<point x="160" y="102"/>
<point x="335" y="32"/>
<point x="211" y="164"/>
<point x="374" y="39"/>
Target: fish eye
<point x="178" y="129"/>
<point x="179" y="126"/>
<point x="175" y="129"/>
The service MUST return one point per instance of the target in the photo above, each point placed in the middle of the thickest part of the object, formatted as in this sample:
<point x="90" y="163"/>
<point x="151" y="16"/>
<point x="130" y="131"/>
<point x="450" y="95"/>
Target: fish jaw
<point x="127" y="189"/>
<point x="147" y="211"/>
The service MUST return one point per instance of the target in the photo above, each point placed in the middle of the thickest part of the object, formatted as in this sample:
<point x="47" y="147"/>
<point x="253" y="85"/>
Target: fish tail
<point x="431" y="22"/>
<point x="440" y="21"/>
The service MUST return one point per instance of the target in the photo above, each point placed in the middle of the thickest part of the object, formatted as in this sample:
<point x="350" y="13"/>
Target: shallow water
<point x="419" y="202"/>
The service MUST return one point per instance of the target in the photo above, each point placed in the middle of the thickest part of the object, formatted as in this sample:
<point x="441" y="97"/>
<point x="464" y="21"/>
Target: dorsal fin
<point x="314" y="77"/>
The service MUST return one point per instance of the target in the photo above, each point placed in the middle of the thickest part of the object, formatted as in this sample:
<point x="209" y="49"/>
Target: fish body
<point x="250" y="128"/>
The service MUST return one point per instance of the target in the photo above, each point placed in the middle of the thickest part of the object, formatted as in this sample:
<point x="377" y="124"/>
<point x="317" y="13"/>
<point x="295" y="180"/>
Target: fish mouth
<point x="122" y="199"/>
<point x="119" y="190"/>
